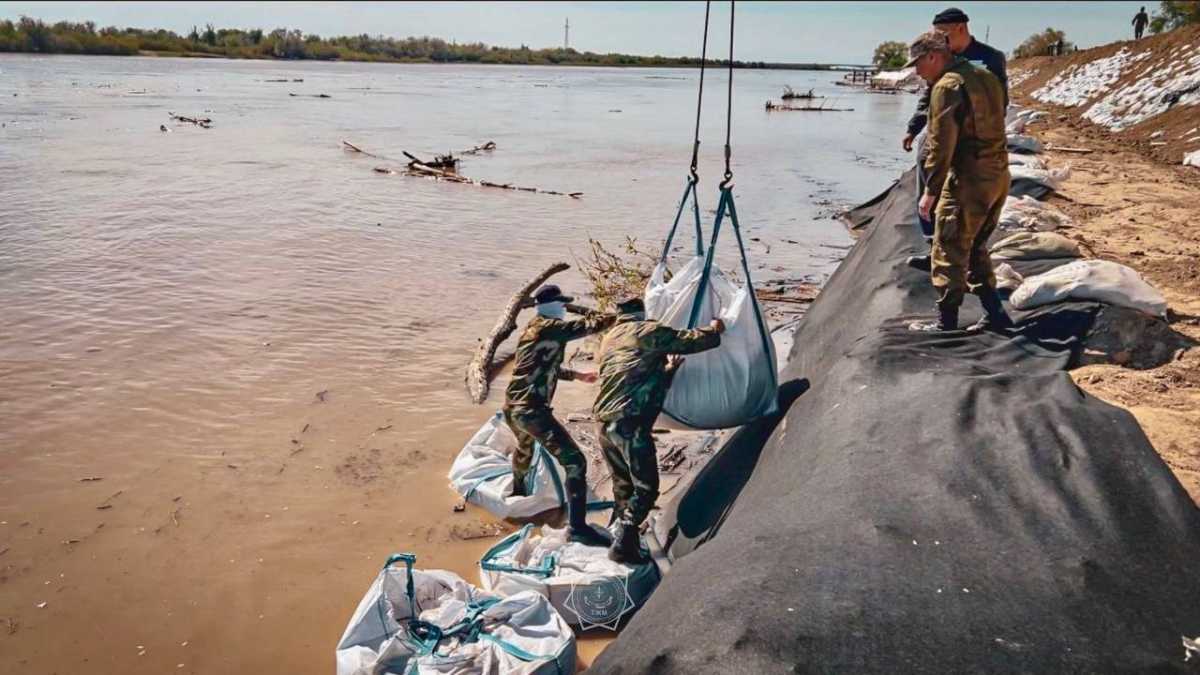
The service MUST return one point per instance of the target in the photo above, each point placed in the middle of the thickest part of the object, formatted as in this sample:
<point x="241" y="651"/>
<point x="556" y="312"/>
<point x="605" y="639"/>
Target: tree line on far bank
<point x="1171" y="14"/>
<point x="65" y="37"/>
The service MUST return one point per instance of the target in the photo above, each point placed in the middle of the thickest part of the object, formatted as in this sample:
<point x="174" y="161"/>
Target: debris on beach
<point x="90" y="479"/>
<point x="309" y="95"/>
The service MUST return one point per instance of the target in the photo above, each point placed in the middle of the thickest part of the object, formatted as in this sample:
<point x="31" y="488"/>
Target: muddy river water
<point x="231" y="358"/>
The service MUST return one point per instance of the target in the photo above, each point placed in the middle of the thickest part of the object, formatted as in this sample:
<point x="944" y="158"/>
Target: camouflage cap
<point x="927" y="43"/>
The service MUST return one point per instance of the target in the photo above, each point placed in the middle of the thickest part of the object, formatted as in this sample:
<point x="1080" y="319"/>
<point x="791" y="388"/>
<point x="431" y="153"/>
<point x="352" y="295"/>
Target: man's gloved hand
<point x="908" y="142"/>
<point x="717" y="325"/>
<point x="674" y="361"/>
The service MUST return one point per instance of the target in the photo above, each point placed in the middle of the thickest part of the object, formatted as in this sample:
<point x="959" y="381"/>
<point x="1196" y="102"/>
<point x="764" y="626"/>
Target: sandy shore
<point x="1131" y="206"/>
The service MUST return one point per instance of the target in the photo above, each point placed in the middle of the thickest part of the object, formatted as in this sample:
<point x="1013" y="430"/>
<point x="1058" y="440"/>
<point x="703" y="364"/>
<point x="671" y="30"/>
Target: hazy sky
<point x="766" y="31"/>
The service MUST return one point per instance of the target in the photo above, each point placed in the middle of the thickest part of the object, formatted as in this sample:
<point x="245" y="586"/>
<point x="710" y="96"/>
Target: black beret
<point x="951" y="15"/>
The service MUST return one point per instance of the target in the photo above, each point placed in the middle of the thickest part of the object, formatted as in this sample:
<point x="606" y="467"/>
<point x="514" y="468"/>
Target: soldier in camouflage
<point x="967" y="179"/>
<point x="537" y="370"/>
<point x="638" y="359"/>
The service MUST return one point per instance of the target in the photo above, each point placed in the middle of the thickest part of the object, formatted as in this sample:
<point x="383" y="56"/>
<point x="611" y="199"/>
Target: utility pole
<point x="567" y="34"/>
<point x="987" y="35"/>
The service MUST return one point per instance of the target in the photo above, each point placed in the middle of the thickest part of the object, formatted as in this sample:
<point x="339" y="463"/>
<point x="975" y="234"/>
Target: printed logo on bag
<point x="600" y="603"/>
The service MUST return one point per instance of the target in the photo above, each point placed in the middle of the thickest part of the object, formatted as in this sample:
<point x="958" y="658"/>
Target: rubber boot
<point x="947" y="320"/>
<point x="994" y="317"/>
<point x="578" y="529"/>
<point x="627" y="546"/>
<point x="920" y="262"/>
<point x="518" y="489"/>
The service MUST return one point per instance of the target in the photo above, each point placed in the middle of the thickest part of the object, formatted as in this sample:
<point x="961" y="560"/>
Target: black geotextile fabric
<point x="864" y="214"/>
<point x="928" y="503"/>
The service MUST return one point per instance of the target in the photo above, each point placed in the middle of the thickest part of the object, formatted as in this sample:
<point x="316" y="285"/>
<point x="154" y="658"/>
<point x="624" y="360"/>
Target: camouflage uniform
<point x="968" y="167"/>
<point x="535" y="375"/>
<point x="633" y="385"/>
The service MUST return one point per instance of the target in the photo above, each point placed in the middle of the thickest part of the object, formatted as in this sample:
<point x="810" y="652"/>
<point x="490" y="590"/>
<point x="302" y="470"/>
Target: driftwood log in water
<point x="422" y="170"/>
<point x="448" y="162"/>
<point x="204" y="122"/>
<point x="780" y="106"/>
<point x="478" y="373"/>
<point x="486" y="147"/>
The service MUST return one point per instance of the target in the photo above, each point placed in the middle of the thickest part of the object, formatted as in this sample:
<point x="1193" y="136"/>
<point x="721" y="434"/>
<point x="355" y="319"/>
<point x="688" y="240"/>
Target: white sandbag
<point x="1023" y="143"/>
<point x="1034" y="246"/>
<point x="1100" y="280"/>
<point x="729" y="385"/>
<point x="1031" y="161"/>
<point x="1027" y="213"/>
<point x="1007" y="278"/>
<point x="395" y="629"/>
<point x="1192" y="159"/>
<point x="1051" y="178"/>
<point x="583" y="585"/>
<point x="482" y="474"/>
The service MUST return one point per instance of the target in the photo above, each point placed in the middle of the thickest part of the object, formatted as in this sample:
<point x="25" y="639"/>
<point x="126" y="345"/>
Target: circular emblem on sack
<point x="600" y="603"/>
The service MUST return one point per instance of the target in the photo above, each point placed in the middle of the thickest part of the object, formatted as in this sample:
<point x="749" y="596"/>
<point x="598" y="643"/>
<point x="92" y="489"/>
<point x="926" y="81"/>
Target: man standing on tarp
<point x="966" y="178"/>
<point x="536" y="371"/>
<point x="952" y="22"/>
<point x="638" y="359"/>
<point x="1139" y="23"/>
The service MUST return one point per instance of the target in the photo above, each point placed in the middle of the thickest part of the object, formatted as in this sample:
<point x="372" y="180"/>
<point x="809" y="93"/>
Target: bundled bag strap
<point x="689" y="189"/>
<point x="488" y="561"/>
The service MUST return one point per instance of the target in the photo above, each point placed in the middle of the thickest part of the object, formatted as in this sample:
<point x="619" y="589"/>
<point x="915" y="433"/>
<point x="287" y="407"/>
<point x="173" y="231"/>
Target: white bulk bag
<point x="1100" y="280"/>
<point x="729" y="385"/>
<point x="482" y="474"/>
<point x="414" y="622"/>
<point x="1027" y="213"/>
<point x="1034" y="246"/>
<point x="583" y="585"/>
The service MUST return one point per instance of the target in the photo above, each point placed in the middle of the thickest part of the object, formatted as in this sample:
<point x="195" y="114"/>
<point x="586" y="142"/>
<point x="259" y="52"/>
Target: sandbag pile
<point x="729" y="385"/>
<point x="1034" y="246"/>
<point x="482" y="474"/>
<point x="1016" y="120"/>
<point x="1101" y="280"/>
<point x="1051" y="178"/>
<point x="1027" y="213"/>
<point x="1024" y="144"/>
<point x="582" y="584"/>
<point x="1031" y="161"/>
<point x="419" y="622"/>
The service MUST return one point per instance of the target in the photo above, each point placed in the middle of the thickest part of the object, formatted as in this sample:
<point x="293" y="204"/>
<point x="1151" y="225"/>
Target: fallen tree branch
<point x="415" y="167"/>
<point x="202" y="122"/>
<point x="486" y="147"/>
<point x="477" y="378"/>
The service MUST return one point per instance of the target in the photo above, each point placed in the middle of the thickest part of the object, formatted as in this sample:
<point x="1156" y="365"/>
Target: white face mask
<point x="552" y="310"/>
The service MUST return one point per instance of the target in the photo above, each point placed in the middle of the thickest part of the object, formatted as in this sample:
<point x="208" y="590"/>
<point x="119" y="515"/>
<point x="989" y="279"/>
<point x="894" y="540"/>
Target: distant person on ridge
<point x="952" y="22"/>
<point x="638" y="359"/>
<point x="527" y="410"/>
<point x="966" y="177"/>
<point x="1139" y="23"/>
